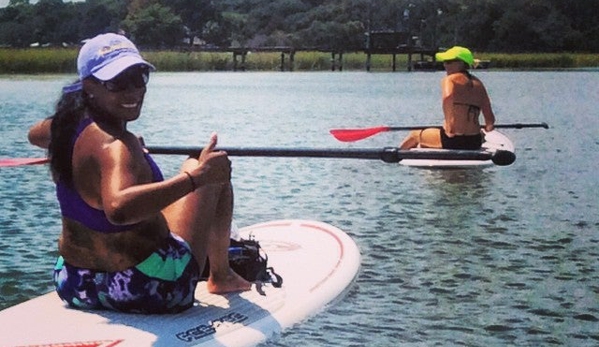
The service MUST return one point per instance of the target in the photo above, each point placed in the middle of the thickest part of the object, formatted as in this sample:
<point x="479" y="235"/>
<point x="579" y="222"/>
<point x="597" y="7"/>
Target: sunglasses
<point x="136" y="76"/>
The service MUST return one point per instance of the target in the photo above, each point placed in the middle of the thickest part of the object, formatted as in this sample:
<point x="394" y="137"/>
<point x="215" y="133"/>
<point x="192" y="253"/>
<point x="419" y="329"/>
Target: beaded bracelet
<point x="193" y="183"/>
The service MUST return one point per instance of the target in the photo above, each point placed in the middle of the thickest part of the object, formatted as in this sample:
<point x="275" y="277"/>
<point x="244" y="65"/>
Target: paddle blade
<point x="22" y="161"/>
<point x="350" y="135"/>
<point x="503" y="158"/>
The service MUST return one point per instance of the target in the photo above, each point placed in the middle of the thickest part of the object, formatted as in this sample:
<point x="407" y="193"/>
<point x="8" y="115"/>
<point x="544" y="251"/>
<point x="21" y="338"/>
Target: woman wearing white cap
<point x="464" y="98"/>
<point x="131" y="240"/>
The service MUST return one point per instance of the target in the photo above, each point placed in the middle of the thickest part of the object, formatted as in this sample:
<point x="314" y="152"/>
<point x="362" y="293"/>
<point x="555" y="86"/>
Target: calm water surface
<point x="504" y="256"/>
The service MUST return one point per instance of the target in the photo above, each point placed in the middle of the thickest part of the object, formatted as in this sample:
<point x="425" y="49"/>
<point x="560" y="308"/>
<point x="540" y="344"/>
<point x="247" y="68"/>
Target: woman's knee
<point x="189" y="164"/>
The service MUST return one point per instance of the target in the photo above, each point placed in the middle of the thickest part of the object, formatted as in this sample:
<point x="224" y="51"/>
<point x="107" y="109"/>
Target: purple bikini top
<point x="72" y="206"/>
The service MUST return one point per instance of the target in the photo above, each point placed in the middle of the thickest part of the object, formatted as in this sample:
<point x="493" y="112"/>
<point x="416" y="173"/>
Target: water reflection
<point x="457" y="198"/>
<point x="472" y="177"/>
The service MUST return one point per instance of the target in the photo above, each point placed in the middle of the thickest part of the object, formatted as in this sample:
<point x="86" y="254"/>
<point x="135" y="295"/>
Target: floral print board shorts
<point x="163" y="283"/>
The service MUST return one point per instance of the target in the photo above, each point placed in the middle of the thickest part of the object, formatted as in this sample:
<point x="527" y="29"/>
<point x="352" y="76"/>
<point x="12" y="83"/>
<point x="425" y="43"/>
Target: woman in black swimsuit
<point x="464" y="99"/>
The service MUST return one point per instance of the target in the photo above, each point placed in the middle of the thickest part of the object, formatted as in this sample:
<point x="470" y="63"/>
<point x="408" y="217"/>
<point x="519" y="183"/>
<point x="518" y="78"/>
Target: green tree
<point x="13" y="3"/>
<point x="530" y="26"/>
<point x="235" y="23"/>
<point x="15" y="24"/>
<point x="584" y="22"/>
<point x="54" y="22"/>
<point x="200" y="18"/>
<point x="491" y="25"/>
<point x="101" y="16"/>
<point x="154" y="26"/>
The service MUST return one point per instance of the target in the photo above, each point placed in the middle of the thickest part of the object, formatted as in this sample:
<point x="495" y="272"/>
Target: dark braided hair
<point x="70" y="110"/>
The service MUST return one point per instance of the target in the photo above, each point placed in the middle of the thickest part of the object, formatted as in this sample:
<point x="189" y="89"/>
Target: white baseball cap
<point x="107" y="55"/>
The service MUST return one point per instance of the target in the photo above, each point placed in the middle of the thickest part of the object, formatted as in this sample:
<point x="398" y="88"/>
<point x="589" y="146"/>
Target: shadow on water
<point x="456" y="198"/>
<point x="454" y="178"/>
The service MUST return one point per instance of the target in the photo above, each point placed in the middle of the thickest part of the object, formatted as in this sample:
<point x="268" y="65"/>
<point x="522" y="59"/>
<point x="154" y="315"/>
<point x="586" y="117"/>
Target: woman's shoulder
<point x="107" y="149"/>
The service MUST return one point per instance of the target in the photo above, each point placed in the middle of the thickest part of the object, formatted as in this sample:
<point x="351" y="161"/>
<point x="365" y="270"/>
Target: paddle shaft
<point x="497" y="126"/>
<point x="350" y="135"/>
<point x="387" y="154"/>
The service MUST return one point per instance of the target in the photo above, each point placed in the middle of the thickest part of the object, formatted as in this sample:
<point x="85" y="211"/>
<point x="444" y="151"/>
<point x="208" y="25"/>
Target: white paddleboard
<point x="494" y="140"/>
<point x="316" y="260"/>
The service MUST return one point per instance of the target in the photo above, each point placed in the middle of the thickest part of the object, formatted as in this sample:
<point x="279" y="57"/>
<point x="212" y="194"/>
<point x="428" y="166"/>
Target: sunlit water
<point x="494" y="257"/>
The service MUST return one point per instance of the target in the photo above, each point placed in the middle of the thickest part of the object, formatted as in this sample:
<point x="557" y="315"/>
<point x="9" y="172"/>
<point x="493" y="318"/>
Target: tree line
<point x="483" y="25"/>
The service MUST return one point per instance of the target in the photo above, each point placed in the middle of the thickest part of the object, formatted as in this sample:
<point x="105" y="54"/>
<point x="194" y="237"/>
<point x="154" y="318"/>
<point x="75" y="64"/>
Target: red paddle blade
<point x="22" y="161"/>
<point x="349" y="135"/>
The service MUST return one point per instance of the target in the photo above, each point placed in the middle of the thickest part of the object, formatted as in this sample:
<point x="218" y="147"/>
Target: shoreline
<point x="62" y="60"/>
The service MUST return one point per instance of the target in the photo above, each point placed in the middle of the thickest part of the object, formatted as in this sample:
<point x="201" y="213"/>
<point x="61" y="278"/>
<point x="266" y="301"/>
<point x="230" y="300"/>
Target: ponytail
<point x="470" y="77"/>
<point x="70" y="110"/>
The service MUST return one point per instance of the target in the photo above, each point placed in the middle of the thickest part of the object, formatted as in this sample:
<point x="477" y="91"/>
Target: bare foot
<point x="232" y="282"/>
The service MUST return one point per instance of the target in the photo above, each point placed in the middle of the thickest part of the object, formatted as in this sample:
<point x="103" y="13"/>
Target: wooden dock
<point x="377" y="42"/>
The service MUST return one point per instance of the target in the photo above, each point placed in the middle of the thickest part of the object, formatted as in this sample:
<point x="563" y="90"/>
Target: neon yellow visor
<point x="456" y="52"/>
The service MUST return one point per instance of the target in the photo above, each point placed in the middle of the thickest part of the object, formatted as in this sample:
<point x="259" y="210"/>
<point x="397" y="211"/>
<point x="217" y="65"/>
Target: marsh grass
<point x="35" y="60"/>
<point x="269" y="61"/>
<point x="541" y="60"/>
<point x="62" y="60"/>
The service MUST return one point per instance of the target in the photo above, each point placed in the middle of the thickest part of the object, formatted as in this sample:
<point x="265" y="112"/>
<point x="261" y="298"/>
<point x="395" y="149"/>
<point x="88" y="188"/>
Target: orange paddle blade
<point x="22" y="161"/>
<point x="350" y="135"/>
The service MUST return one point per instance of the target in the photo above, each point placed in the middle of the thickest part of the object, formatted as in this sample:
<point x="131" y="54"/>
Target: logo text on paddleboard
<point x="210" y="328"/>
